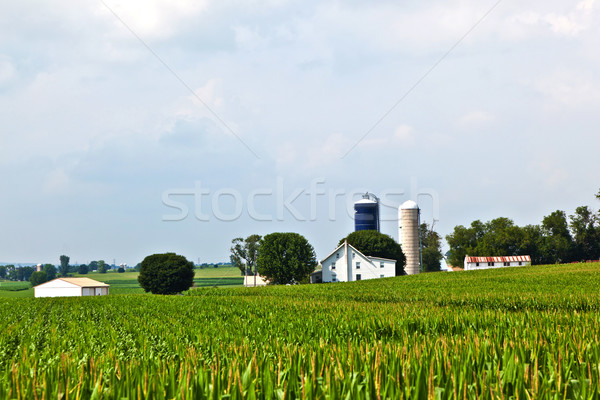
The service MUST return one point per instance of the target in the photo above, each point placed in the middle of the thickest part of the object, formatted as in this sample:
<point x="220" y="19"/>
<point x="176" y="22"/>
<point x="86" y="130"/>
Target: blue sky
<point x="113" y="110"/>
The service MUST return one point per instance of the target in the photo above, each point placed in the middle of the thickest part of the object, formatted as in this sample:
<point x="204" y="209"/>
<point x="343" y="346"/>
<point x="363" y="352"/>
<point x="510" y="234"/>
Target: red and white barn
<point x="475" y="263"/>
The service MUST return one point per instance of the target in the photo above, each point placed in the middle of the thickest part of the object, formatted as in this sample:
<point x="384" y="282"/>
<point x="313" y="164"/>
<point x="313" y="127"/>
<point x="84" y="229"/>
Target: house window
<point x="382" y="276"/>
<point x="358" y="277"/>
<point x="507" y="264"/>
<point x="358" y="265"/>
<point x="332" y="266"/>
<point x="353" y="254"/>
<point x="490" y="264"/>
<point x="520" y="263"/>
<point x="334" y="279"/>
<point x="477" y="264"/>
<point x="337" y="255"/>
<point x="381" y="265"/>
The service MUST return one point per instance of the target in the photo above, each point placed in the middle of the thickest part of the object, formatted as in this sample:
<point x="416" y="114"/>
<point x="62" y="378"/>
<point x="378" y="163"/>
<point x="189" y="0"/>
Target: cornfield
<point x="514" y="333"/>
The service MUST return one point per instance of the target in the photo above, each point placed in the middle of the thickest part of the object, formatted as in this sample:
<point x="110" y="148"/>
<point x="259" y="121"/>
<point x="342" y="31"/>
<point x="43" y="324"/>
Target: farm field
<point x="529" y="332"/>
<point x="126" y="283"/>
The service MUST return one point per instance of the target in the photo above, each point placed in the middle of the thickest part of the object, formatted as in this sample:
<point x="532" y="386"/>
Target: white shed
<point x="69" y="287"/>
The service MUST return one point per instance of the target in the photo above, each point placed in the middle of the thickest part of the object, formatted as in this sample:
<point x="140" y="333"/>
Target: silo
<point x="366" y="213"/>
<point x="408" y="217"/>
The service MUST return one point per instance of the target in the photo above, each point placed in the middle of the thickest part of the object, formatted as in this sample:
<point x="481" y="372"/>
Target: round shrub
<point x="166" y="273"/>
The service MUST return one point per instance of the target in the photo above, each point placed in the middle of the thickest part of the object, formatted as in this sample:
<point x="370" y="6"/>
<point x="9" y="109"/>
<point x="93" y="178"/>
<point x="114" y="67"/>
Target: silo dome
<point x="409" y="205"/>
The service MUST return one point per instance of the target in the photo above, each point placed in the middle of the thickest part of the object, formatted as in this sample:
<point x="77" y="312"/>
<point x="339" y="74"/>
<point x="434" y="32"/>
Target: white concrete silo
<point x="408" y="219"/>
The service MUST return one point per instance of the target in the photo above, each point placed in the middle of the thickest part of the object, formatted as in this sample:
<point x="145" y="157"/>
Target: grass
<point x="529" y="332"/>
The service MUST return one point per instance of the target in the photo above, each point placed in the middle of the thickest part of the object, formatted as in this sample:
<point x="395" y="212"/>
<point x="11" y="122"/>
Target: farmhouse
<point x="347" y="264"/>
<point x="69" y="287"/>
<point x="475" y="263"/>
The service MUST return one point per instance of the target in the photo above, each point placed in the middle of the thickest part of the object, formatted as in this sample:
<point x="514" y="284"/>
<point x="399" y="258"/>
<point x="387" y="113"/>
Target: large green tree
<point x="166" y="273"/>
<point x="50" y="271"/>
<point x="286" y="258"/>
<point x="2" y="271"/>
<point x="376" y="244"/>
<point x="244" y="253"/>
<point x="585" y="227"/>
<point x="37" y="278"/>
<point x="558" y="244"/>
<point x="64" y="265"/>
<point x="431" y="249"/>
<point x="102" y="268"/>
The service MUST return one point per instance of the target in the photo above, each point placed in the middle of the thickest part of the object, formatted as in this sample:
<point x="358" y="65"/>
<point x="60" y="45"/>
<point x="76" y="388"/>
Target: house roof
<point x="357" y="251"/>
<point x="497" y="259"/>
<point x="82" y="282"/>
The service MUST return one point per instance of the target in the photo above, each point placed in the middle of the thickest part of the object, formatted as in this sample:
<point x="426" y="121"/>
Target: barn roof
<point x="82" y="282"/>
<point x="497" y="259"/>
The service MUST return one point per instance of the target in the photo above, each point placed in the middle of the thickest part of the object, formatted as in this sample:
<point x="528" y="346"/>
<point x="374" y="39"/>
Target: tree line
<point x="285" y="258"/>
<point x="558" y="239"/>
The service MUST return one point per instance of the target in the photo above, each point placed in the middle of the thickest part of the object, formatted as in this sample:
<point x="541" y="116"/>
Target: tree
<point x="558" y="245"/>
<point x="26" y="273"/>
<point x="2" y="271"/>
<point x="83" y="269"/>
<point x="286" y="258"/>
<point x="50" y="271"/>
<point x="244" y="253"/>
<point x="586" y="234"/>
<point x="64" y="265"/>
<point x="37" y="278"/>
<point x="166" y="273"/>
<point x="376" y="244"/>
<point x="102" y="267"/>
<point x="121" y="270"/>
<point x="93" y="266"/>
<point x="431" y="249"/>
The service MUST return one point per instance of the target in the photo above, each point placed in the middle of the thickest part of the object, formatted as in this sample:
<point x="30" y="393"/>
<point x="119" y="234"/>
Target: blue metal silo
<point x="366" y="213"/>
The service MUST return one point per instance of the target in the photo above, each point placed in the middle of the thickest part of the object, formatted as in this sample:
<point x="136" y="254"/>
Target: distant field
<point x="126" y="282"/>
<point x="508" y="333"/>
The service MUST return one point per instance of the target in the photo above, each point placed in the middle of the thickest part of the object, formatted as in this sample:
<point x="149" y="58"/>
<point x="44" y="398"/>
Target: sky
<point x="129" y="128"/>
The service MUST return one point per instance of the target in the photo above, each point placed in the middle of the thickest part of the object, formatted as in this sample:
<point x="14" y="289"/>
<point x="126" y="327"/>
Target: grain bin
<point x="366" y="213"/>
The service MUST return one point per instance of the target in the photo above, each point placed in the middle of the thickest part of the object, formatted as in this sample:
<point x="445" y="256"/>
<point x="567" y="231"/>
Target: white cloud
<point x="152" y="19"/>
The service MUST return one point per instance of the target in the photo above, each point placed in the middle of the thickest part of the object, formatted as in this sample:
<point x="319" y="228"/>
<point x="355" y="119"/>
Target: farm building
<point x="475" y="263"/>
<point x="347" y="264"/>
<point x="254" y="280"/>
<point x="70" y="287"/>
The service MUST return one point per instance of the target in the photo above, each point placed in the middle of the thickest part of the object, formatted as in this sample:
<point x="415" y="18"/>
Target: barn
<point x="475" y="263"/>
<point x="70" y="287"/>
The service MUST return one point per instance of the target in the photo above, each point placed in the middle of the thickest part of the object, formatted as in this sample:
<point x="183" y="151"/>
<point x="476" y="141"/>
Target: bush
<point x="83" y="269"/>
<point x="121" y="270"/>
<point x="167" y="273"/>
<point x="37" y="278"/>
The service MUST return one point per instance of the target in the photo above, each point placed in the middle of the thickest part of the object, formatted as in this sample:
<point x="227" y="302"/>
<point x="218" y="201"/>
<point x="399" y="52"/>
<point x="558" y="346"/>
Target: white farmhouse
<point x="475" y="263"/>
<point x="347" y="264"/>
<point x="70" y="287"/>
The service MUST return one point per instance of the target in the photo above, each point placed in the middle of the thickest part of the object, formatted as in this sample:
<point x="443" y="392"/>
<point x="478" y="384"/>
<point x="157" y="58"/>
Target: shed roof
<point x="497" y="259"/>
<point x="82" y="282"/>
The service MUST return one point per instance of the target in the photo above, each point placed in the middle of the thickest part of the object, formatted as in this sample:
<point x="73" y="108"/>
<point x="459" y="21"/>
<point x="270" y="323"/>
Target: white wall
<point x="342" y="265"/>
<point x="249" y="281"/>
<point x="471" y="266"/>
<point x="57" y="291"/>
